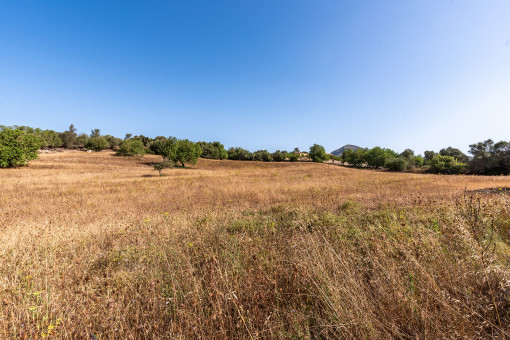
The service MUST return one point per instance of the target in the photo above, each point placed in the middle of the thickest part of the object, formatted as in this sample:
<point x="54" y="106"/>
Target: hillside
<point x="338" y="152"/>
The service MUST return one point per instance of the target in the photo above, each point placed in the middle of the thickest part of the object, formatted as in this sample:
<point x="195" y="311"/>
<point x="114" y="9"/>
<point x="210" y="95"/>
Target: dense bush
<point x="318" y="153"/>
<point x="294" y="156"/>
<point x="376" y="157"/>
<point x="17" y="147"/>
<point x="262" y="155"/>
<point x="178" y="151"/>
<point x="239" y="154"/>
<point x="214" y="150"/>
<point x="97" y="143"/>
<point x="397" y="163"/>
<point x="163" y="146"/>
<point x="164" y="164"/>
<point x="490" y="158"/>
<point x="113" y="142"/>
<point x="446" y="165"/>
<point x="455" y="153"/>
<point x="131" y="147"/>
<point x="279" y="156"/>
<point x="68" y="137"/>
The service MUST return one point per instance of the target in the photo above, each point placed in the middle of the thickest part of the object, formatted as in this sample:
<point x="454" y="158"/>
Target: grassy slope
<point x="97" y="244"/>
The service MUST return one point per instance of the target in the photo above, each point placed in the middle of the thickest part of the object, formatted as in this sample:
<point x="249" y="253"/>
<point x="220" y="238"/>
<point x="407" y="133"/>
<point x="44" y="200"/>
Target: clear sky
<point x="263" y="74"/>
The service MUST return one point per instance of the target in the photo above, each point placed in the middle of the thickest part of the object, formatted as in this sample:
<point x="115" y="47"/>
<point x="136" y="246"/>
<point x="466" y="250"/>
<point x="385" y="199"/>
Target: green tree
<point x="97" y="143"/>
<point x="399" y="163"/>
<point x="376" y="157"/>
<point x="165" y="147"/>
<point x="187" y="152"/>
<point x="165" y="164"/>
<point x="490" y="158"/>
<point x="356" y="158"/>
<point x="262" y="156"/>
<point x="131" y="147"/>
<point x="279" y="156"/>
<point x="49" y="138"/>
<point x="428" y="155"/>
<point x="214" y="150"/>
<point x="95" y="133"/>
<point x="455" y="153"/>
<point x="68" y="137"/>
<point x="17" y="147"/>
<point x="82" y="139"/>
<point x="113" y="142"/>
<point x="239" y="154"/>
<point x="318" y="153"/>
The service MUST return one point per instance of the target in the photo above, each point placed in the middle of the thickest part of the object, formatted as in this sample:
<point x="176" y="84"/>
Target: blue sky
<point x="262" y="74"/>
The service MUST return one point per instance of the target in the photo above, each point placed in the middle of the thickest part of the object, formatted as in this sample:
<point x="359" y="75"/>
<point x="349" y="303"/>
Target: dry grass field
<point x="94" y="246"/>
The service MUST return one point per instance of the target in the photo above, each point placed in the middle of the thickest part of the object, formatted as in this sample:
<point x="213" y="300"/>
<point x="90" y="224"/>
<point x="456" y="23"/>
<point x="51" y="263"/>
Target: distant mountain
<point x="338" y="152"/>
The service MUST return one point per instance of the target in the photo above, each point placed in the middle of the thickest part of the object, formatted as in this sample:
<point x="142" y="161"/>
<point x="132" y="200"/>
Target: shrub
<point x="113" y="142"/>
<point x="214" y="150"/>
<point x="131" y="147"/>
<point x="97" y="143"/>
<point x="239" y="154"/>
<point x="396" y="164"/>
<point x="262" y="155"/>
<point x="165" y="164"/>
<point x="293" y="156"/>
<point x="446" y="165"/>
<point x="279" y="156"/>
<point x="17" y="148"/>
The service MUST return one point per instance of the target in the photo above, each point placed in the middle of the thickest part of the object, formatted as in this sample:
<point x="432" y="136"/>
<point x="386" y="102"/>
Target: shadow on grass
<point x="492" y="191"/>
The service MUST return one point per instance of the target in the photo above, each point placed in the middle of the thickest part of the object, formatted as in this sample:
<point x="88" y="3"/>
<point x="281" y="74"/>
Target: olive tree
<point x="17" y="147"/>
<point x="318" y="153"/>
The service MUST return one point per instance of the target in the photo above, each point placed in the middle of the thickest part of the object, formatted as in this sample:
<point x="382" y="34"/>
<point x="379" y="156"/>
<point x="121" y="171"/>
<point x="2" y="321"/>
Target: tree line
<point x="19" y="144"/>
<point x="487" y="158"/>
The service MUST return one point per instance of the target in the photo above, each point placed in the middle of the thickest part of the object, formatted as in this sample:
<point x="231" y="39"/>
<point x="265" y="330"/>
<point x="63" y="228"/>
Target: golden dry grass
<point x="97" y="245"/>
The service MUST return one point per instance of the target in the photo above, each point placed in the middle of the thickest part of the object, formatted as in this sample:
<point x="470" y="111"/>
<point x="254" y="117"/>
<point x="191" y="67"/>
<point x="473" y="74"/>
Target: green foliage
<point x="97" y="143"/>
<point x="428" y="155"/>
<point x="455" y="153"/>
<point x="279" y="156"/>
<point x="490" y="158"/>
<point x="187" y="152"/>
<point x="165" y="147"/>
<point x="49" y="138"/>
<point x="346" y="155"/>
<point x="397" y="163"/>
<point x="418" y="161"/>
<point x="178" y="151"/>
<point x="214" y="150"/>
<point x="376" y="157"/>
<point x="131" y="147"/>
<point x="239" y="154"/>
<point x="446" y="165"/>
<point x="95" y="133"/>
<point x="318" y="153"/>
<point x="165" y="164"/>
<point x="407" y="153"/>
<point x="146" y="140"/>
<point x="82" y="139"/>
<point x="262" y="155"/>
<point x="17" y="147"/>
<point x="68" y="137"/>
<point x="113" y="142"/>
<point x="356" y="158"/>
<point x="293" y="156"/>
